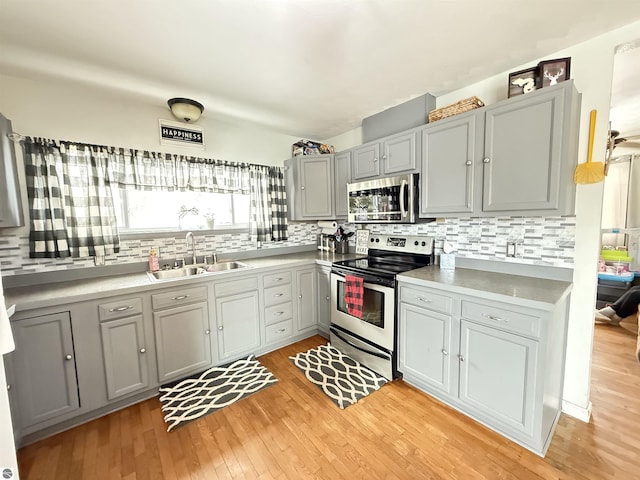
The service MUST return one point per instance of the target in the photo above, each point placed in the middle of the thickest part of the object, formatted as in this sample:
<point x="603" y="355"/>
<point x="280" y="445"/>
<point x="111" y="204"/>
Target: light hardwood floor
<point x="292" y="431"/>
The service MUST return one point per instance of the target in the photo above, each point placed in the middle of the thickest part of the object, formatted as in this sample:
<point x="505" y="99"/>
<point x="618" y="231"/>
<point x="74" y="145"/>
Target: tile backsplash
<point x="540" y="241"/>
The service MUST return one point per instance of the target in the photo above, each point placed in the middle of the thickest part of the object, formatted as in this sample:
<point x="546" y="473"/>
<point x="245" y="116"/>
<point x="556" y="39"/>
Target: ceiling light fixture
<point x="186" y="109"/>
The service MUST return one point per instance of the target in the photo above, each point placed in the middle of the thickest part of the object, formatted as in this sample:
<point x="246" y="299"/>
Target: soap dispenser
<point x="154" y="262"/>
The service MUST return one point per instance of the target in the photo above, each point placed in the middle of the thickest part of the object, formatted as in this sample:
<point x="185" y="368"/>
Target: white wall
<point x="78" y="112"/>
<point x="592" y="69"/>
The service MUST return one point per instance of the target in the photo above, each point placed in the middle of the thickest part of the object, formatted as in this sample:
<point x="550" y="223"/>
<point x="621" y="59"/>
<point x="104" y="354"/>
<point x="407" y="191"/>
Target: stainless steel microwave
<point x="384" y="200"/>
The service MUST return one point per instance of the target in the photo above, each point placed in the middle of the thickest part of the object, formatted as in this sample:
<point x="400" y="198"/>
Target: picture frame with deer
<point x="554" y="71"/>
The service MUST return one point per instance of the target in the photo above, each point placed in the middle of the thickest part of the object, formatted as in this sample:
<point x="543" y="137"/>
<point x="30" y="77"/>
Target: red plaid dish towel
<point x="354" y="295"/>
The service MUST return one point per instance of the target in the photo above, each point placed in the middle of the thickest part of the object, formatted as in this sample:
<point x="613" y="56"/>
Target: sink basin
<point x="192" y="270"/>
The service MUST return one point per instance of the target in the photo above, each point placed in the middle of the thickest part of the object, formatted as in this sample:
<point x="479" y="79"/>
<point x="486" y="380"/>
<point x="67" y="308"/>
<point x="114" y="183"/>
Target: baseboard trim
<point x="575" y="411"/>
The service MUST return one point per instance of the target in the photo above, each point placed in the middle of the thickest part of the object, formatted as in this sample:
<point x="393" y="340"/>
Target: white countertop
<point x="531" y="291"/>
<point x="59" y="293"/>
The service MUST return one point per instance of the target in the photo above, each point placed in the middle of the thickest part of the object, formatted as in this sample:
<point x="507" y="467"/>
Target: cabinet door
<point x="125" y="360"/>
<point x="425" y="347"/>
<point x="307" y="311"/>
<point x="342" y="174"/>
<point x="44" y="368"/>
<point x="365" y="162"/>
<point x="324" y="298"/>
<point x="498" y="374"/>
<point x="238" y="320"/>
<point x="182" y="341"/>
<point x="400" y="154"/>
<point x="523" y="153"/>
<point x="315" y="177"/>
<point x="448" y="162"/>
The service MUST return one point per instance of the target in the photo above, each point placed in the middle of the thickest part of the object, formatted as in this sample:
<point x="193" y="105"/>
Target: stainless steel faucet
<point x="193" y="245"/>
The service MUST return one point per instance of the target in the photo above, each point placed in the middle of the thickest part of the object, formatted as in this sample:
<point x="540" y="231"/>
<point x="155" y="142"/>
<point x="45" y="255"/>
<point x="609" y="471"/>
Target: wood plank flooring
<point x="292" y="431"/>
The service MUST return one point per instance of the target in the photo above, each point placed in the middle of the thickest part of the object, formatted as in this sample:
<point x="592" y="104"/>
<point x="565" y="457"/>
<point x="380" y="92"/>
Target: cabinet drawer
<point x="179" y="297"/>
<point x="277" y="313"/>
<point x="426" y="299"/>
<point x="275" y="295"/>
<point x="279" y="278"/>
<point x="223" y="289"/>
<point x="279" y="331"/>
<point x="120" y="308"/>
<point x="502" y="318"/>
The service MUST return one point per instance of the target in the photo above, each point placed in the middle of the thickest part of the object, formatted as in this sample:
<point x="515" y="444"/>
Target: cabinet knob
<point x="301" y="188"/>
<point x="300" y="296"/>
<point x="328" y="298"/>
<point x="486" y="160"/>
<point x="220" y="327"/>
<point x="461" y="358"/>
<point x="468" y="163"/>
<point x="207" y="331"/>
<point x="444" y="352"/>
<point x="68" y="357"/>
<point x="143" y="350"/>
<point x="375" y="159"/>
<point x="8" y="386"/>
<point x="384" y="157"/>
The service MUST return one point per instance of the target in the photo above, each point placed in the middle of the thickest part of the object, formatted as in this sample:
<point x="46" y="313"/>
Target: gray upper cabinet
<point x="449" y="152"/>
<point x="44" y="369"/>
<point x="388" y="156"/>
<point x="514" y="157"/>
<point x="342" y="175"/>
<point x="10" y="202"/>
<point x="309" y="180"/>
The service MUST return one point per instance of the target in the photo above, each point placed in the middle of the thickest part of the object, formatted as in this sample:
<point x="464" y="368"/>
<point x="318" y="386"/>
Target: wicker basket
<point x="458" y="107"/>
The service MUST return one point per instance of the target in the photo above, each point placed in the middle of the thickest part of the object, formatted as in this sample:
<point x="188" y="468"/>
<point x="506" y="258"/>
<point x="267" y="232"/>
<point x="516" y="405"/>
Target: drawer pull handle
<point x="143" y="350"/>
<point x="426" y="300"/>
<point x="278" y="294"/>
<point x="279" y="279"/>
<point x="180" y="297"/>
<point x="282" y="330"/>
<point x="493" y="317"/>
<point x="278" y="314"/>
<point x="121" y="309"/>
<point x="444" y="352"/>
<point x="68" y="357"/>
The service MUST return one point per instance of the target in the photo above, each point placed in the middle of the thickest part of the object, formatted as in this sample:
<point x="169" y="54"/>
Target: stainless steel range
<point x="372" y="339"/>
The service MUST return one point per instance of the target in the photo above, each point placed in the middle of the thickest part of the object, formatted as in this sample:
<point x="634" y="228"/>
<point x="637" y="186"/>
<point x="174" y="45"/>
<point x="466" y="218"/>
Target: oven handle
<point x="357" y="347"/>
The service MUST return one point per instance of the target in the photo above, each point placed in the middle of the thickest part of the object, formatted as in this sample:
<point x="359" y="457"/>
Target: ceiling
<point x="308" y="68"/>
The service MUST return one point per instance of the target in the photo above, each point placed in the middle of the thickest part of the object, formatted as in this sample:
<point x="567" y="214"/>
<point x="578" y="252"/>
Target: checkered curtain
<point x="278" y="198"/>
<point x="268" y="204"/>
<point x="70" y="201"/>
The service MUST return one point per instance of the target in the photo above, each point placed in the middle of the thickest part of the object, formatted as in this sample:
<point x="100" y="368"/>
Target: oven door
<point x="378" y="312"/>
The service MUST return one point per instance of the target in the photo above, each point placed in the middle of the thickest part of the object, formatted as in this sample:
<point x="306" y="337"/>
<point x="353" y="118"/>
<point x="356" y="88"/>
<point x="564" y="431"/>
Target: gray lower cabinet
<point x="324" y="298"/>
<point x="43" y="368"/>
<point x="388" y="156"/>
<point x="307" y="305"/>
<point x="182" y="332"/>
<point x="237" y="317"/>
<point x="125" y="356"/>
<point x="516" y="156"/>
<point x="309" y="182"/>
<point x="501" y="363"/>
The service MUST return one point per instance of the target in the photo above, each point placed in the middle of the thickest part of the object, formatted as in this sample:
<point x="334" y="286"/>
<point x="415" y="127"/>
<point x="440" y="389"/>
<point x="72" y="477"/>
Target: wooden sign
<point x="181" y="134"/>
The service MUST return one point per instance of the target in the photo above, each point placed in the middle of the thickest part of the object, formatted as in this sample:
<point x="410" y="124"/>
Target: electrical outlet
<point x="511" y="249"/>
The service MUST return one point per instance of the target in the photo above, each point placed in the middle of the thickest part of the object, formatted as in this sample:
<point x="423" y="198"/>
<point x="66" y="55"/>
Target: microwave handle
<point x="403" y="187"/>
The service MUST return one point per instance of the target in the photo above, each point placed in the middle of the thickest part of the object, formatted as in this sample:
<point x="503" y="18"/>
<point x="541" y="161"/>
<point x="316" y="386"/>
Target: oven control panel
<point x="402" y="243"/>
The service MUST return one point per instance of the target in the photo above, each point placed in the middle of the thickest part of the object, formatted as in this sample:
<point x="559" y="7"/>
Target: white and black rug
<point x="211" y="390"/>
<point x="341" y="378"/>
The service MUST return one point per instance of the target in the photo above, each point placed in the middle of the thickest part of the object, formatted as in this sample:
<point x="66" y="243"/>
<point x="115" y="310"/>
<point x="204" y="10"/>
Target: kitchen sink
<point x="192" y="270"/>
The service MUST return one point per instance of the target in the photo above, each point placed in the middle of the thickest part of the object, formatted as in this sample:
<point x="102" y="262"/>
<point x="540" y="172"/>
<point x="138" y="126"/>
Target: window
<point x="138" y="210"/>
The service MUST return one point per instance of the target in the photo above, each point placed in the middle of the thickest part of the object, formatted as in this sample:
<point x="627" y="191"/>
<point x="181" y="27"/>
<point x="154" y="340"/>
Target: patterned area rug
<point x="216" y="388"/>
<point x="341" y="378"/>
